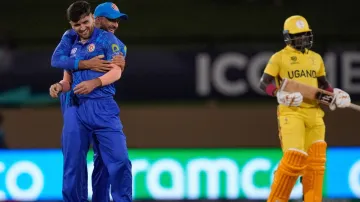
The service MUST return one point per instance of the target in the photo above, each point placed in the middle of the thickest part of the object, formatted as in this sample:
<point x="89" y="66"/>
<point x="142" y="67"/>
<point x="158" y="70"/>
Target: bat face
<point x="312" y="93"/>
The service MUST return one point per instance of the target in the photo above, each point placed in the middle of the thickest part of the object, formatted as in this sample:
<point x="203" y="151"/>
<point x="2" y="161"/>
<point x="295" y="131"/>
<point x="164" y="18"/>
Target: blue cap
<point x="109" y="10"/>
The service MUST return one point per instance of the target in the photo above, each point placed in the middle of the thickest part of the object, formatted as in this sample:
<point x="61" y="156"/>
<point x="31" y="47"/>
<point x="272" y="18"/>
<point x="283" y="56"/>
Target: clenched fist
<point x="55" y="89"/>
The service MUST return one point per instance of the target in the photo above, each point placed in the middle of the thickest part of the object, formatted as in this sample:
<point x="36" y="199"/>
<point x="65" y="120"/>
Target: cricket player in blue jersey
<point x="107" y="16"/>
<point x="93" y="110"/>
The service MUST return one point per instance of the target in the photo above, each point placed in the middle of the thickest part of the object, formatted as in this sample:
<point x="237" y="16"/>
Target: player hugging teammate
<point x="301" y="124"/>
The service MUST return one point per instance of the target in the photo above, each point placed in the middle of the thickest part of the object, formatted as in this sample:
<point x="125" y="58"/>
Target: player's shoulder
<point x="109" y="35"/>
<point x="106" y="34"/>
<point x="314" y="54"/>
<point x="70" y="33"/>
<point x="120" y="42"/>
<point x="277" y="55"/>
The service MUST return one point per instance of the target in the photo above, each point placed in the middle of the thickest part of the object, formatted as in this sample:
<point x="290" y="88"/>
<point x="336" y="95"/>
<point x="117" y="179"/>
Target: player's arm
<point x="61" y="57"/>
<point x="66" y="81"/>
<point x="267" y="80"/>
<point x="61" y="86"/>
<point x="110" y="77"/>
<point x="267" y="84"/>
<point x="324" y="84"/>
<point x="111" y="49"/>
<point x="119" y="60"/>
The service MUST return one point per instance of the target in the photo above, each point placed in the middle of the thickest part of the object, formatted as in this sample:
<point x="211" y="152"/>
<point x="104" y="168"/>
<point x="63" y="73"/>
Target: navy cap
<point x="109" y="10"/>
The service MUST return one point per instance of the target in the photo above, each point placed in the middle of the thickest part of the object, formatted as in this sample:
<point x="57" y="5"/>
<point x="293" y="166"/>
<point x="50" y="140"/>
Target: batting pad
<point x="290" y="168"/>
<point x="314" y="173"/>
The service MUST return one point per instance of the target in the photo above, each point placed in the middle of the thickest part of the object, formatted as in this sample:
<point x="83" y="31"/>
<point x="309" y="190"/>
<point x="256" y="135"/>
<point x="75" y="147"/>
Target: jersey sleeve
<point x="61" y="56"/>
<point x="123" y="48"/>
<point x="322" y="71"/>
<point x="112" y="46"/>
<point x="273" y="66"/>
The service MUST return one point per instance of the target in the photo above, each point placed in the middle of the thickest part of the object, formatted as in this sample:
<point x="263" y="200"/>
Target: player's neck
<point x="302" y="51"/>
<point x="83" y="41"/>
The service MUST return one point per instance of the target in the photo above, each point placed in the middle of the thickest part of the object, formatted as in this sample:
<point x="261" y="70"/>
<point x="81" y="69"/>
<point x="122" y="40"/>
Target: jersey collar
<point x="291" y="49"/>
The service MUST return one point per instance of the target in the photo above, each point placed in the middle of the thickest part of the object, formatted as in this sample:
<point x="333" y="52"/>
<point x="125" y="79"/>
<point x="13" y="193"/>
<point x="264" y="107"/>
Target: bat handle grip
<point x="355" y="107"/>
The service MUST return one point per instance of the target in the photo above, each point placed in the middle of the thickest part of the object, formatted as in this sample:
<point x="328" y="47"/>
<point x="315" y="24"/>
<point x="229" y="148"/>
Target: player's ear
<point x="72" y="24"/>
<point x="97" y="20"/>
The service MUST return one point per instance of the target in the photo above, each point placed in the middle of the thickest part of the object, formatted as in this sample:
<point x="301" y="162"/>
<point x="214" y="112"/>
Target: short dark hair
<point x="77" y="10"/>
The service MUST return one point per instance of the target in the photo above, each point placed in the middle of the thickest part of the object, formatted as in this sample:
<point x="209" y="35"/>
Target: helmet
<point x="297" y="33"/>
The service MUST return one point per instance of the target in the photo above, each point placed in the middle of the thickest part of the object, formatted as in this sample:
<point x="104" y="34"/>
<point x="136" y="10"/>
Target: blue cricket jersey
<point x="61" y="56"/>
<point x="70" y="51"/>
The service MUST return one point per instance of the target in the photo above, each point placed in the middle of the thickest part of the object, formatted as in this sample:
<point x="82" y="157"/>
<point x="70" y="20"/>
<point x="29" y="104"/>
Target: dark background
<point x="177" y="90"/>
<point x="162" y="96"/>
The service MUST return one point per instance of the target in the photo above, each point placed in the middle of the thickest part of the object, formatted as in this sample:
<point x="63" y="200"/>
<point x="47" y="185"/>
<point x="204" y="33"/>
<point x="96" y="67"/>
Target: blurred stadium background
<point x="197" y="125"/>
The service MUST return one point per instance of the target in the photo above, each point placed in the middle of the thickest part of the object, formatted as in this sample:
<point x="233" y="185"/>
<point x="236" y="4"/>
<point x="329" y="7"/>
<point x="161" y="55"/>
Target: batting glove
<point x="289" y="99"/>
<point x="342" y="98"/>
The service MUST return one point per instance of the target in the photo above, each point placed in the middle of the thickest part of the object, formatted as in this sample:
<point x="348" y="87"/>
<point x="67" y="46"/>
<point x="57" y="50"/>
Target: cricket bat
<point x="312" y="93"/>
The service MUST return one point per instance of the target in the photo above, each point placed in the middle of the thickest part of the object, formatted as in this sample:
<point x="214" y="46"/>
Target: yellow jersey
<point x="293" y="64"/>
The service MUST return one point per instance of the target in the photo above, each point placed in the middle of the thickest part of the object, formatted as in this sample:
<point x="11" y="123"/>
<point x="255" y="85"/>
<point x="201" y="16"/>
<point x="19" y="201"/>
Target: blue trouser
<point x="100" y="176"/>
<point x="100" y="119"/>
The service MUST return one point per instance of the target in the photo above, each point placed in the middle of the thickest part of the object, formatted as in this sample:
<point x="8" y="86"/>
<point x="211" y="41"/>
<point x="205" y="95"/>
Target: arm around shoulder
<point x="61" y="55"/>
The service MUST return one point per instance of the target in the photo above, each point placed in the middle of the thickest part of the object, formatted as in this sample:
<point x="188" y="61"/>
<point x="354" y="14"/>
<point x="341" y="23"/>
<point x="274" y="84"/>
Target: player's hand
<point x="289" y="99"/>
<point x="55" y="89"/>
<point x="342" y="98"/>
<point x="87" y="87"/>
<point x="119" y="60"/>
<point x="98" y="64"/>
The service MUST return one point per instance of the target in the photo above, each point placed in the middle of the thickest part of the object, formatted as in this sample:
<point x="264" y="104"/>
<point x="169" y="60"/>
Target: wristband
<point x="329" y="89"/>
<point x="270" y="89"/>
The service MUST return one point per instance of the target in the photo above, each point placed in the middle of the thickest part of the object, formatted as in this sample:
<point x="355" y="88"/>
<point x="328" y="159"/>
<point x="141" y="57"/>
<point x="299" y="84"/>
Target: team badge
<point x="115" y="48"/>
<point x="91" y="47"/>
<point x="300" y="24"/>
<point x="293" y="60"/>
<point x="73" y="51"/>
<point x="113" y="6"/>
